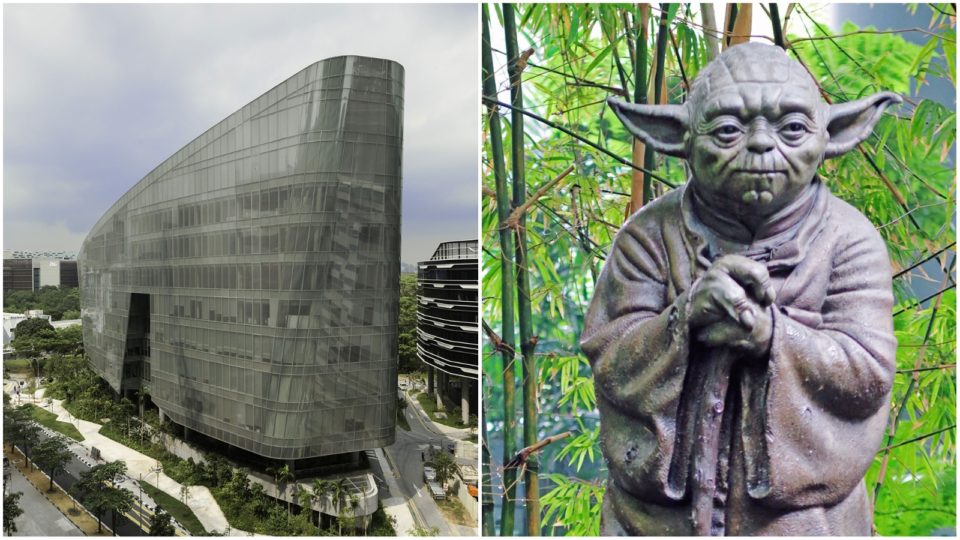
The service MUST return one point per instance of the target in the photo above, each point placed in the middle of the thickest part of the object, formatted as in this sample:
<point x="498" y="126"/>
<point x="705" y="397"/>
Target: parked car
<point x="436" y="491"/>
<point x="429" y="474"/>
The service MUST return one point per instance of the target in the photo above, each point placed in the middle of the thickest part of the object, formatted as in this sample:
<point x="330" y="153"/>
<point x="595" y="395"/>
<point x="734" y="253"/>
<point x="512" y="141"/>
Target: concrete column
<point x="163" y="417"/>
<point x="186" y="434"/>
<point x="465" y="389"/>
<point x="441" y="387"/>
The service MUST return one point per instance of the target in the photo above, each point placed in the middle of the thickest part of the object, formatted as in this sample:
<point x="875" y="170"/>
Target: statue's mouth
<point x="758" y="172"/>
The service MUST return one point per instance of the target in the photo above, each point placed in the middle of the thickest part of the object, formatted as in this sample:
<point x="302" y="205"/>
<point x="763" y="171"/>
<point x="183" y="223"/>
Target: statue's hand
<point x="729" y="305"/>
<point x="753" y="340"/>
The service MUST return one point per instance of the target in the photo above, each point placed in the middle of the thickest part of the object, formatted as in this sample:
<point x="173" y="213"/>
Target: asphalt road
<point x="125" y="526"/>
<point x="406" y="454"/>
<point x="40" y="517"/>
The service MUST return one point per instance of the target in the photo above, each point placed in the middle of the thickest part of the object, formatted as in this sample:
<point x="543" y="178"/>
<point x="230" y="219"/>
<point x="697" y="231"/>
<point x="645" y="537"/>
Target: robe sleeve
<point x="637" y="344"/>
<point x="814" y="416"/>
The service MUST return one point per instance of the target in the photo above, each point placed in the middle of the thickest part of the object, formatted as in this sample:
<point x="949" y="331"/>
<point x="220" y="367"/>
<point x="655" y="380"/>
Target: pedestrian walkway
<point x="395" y="506"/>
<point x="198" y="499"/>
<point x="40" y="517"/>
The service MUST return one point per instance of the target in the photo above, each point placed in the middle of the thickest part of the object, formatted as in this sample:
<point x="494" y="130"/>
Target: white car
<point x="429" y="474"/>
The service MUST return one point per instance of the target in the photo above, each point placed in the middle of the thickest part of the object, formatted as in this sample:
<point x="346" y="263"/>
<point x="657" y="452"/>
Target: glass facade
<point x="251" y="281"/>
<point x="447" y="329"/>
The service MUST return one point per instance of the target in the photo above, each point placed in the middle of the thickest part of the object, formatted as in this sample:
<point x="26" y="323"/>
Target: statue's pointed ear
<point x="849" y="124"/>
<point x="661" y="126"/>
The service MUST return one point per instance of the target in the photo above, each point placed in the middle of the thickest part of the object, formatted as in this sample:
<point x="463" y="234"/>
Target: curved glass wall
<point x="251" y="281"/>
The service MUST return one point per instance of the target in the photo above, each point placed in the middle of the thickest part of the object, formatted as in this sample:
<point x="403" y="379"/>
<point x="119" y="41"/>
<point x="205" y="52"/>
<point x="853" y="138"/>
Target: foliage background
<point x="903" y="180"/>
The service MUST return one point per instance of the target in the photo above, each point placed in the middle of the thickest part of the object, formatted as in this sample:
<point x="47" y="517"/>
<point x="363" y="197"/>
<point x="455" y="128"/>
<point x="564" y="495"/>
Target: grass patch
<point x="455" y="512"/>
<point x="175" y="508"/>
<point x="17" y="365"/>
<point x="48" y="419"/>
<point x="429" y="405"/>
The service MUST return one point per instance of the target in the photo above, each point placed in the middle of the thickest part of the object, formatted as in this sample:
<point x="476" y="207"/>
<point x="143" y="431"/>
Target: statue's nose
<point x="760" y="140"/>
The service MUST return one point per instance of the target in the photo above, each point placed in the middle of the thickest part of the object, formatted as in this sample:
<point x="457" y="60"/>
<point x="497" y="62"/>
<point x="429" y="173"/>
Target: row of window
<point x="335" y="237"/>
<point x="323" y="276"/>
<point x="284" y="200"/>
<point x="355" y="351"/>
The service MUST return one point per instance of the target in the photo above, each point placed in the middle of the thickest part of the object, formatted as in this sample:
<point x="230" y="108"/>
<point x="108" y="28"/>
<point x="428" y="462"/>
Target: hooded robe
<point x="793" y="431"/>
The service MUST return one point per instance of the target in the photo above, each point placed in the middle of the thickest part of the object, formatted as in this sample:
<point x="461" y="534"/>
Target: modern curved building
<point x="447" y="329"/>
<point x="251" y="280"/>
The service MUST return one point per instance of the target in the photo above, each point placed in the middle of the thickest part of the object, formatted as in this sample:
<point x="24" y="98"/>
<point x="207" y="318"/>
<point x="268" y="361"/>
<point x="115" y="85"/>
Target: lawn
<point x="429" y="405"/>
<point x="455" y="512"/>
<point x="175" y="508"/>
<point x="48" y="419"/>
<point x="18" y="365"/>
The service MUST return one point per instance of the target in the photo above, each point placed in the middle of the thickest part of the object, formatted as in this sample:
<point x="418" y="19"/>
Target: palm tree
<point x="339" y="489"/>
<point x="320" y="489"/>
<point x="282" y="475"/>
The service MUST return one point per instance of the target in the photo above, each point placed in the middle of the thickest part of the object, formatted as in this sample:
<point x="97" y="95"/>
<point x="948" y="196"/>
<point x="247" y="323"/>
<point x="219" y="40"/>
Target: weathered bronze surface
<point x="741" y="335"/>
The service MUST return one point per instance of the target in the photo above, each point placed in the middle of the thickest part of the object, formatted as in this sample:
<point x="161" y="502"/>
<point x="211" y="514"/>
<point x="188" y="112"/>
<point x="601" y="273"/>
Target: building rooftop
<point x="460" y="249"/>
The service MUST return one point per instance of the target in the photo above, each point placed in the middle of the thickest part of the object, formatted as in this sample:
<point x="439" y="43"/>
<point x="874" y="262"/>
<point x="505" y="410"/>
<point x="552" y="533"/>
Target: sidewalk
<point x="396" y="506"/>
<point x="199" y="498"/>
<point x="468" y="452"/>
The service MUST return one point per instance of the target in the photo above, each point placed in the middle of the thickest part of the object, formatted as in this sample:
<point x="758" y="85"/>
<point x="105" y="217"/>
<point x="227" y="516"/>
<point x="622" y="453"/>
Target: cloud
<point x="95" y="96"/>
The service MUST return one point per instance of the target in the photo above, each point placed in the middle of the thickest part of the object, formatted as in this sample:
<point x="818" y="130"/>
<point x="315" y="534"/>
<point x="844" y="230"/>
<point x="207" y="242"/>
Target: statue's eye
<point x="795" y="127"/>
<point x="727" y="130"/>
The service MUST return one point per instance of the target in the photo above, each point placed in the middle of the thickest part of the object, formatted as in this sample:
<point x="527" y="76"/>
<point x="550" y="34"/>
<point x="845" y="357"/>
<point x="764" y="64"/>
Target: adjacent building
<point x="447" y="324"/>
<point x="32" y="272"/>
<point x="251" y="280"/>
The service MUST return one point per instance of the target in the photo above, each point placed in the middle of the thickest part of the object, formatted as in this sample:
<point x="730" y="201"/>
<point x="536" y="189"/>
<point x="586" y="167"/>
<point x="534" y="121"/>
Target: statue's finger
<point x="730" y="297"/>
<point x="752" y="275"/>
<point x="748" y="319"/>
<point x="719" y="334"/>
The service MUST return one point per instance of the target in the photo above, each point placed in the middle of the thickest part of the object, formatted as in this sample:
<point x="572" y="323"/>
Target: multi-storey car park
<point x="251" y="281"/>
<point x="447" y="329"/>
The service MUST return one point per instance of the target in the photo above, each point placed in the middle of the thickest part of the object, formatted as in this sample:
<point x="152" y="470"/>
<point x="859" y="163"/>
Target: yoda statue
<point x="741" y="335"/>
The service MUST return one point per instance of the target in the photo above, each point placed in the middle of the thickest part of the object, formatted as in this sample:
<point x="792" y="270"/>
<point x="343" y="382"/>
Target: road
<point x="406" y="455"/>
<point x="40" y="517"/>
<point x="81" y="463"/>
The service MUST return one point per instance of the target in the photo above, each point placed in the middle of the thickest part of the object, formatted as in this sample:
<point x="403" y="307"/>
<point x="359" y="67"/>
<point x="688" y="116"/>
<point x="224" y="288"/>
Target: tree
<point x="445" y="467"/>
<point x="282" y="475"/>
<point x="52" y="455"/>
<point x="13" y="420"/>
<point x="407" y="325"/>
<point x="339" y="491"/>
<point x="97" y="492"/>
<point x="11" y="511"/>
<point x="21" y="430"/>
<point x="161" y="524"/>
<point x="321" y="488"/>
<point x="34" y="327"/>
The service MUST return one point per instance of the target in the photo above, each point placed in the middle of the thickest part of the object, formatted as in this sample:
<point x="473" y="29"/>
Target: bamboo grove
<point x="560" y="175"/>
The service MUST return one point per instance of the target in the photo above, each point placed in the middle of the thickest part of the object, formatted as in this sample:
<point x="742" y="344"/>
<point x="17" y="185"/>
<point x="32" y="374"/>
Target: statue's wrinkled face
<point x="754" y="129"/>
<point x="755" y="146"/>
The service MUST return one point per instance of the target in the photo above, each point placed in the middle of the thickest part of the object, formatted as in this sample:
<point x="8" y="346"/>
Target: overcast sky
<point x="95" y="96"/>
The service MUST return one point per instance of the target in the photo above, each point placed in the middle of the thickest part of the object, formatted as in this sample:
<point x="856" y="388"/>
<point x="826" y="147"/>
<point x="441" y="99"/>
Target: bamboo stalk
<point x="640" y="177"/>
<point x="486" y="507"/>
<point x="741" y="25"/>
<point x="506" y="277"/>
<point x="777" y="26"/>
<point x="709" y="19"/>
<point x="525" y="318"/>
<point x="659" y="95"/>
